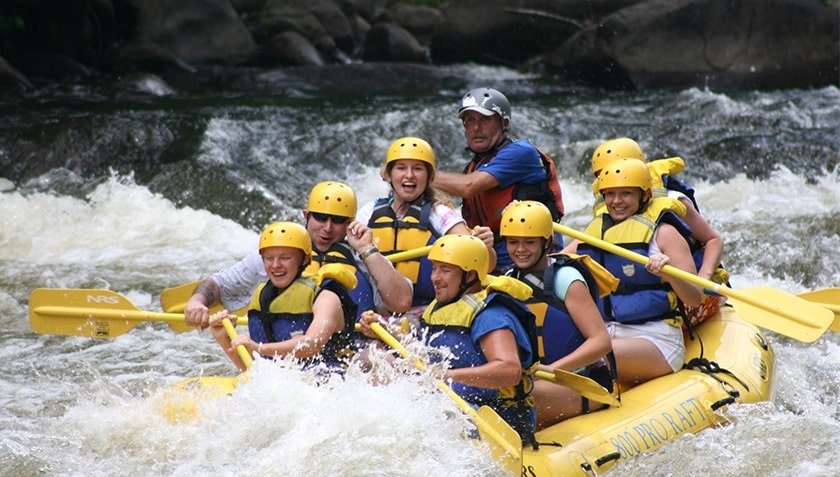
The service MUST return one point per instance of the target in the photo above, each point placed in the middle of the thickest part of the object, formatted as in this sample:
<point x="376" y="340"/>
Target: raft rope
<point x="712" y="369"/>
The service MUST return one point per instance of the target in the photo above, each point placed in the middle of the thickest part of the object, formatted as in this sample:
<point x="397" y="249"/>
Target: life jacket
<point x="557" y="334"/>
<point x="342" y="253"/>
<point x="641" y="296"/>
<point x="413" y="230"/>
<point x="276" y="315"/>
<point x="449" y="326"/>
<point x="485" y="208"/>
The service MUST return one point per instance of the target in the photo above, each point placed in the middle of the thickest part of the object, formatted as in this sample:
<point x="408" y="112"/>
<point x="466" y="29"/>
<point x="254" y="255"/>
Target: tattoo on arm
<point x="209" y="290"/>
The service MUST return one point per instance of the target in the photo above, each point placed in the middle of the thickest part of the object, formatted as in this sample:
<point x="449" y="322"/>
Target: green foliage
<point x="11" y="23"/>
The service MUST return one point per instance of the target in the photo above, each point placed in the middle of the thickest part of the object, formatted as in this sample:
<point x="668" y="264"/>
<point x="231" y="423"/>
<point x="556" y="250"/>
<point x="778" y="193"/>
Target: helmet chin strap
<point x="542" y="256"/>
<point x="462" y="288"/>
<point x="465" y="285"/>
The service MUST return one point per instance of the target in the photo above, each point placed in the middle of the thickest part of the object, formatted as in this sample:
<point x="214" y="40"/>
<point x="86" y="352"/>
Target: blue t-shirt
<point x="496" y="317"/>
<point x="517" y="163"/>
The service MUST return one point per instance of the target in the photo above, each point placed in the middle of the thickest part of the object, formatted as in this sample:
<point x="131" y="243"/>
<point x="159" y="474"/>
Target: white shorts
<point x="667" y="339"/>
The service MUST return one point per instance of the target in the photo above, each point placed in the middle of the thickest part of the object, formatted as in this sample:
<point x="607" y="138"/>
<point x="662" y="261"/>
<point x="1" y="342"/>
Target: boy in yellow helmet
<point x="336" y="238"/>
<point x="293" y="312"/>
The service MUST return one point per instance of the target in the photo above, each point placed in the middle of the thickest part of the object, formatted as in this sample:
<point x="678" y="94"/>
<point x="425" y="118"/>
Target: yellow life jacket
<point x="412" y="230"/>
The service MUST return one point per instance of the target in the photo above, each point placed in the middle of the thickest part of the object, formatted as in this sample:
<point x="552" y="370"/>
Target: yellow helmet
<point x="527" y="218"/>
<point x="625" y="173"/>
<point x="410" y="148"/>
<point x="332" y="198"/>
<point x="620" y="148"/>
<point x="465" y="251"/>
<point x="287" y="234"/>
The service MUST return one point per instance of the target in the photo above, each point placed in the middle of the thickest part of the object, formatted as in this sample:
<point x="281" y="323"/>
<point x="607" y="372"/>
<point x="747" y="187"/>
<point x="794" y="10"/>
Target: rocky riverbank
<point x="720" y="44"/>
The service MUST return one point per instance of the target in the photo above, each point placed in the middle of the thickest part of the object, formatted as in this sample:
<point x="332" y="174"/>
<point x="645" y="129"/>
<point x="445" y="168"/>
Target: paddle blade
<point x="583" y="385"/>
<point x="828" y="298"/>
<point x="53" y="311"/>
<point x="174" y="300"/>
<point x="491" y="420"/>
<point x="504" y="442"/>
<point x="782" y="312"/>
<point x="180" y="402"/>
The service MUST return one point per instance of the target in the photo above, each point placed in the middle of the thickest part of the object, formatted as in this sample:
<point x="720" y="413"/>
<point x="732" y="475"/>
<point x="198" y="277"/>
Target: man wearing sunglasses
<point x="336" y="238"/>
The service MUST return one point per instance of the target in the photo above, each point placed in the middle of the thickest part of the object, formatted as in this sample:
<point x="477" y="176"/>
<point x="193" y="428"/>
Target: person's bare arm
<point x="396" y="290"/>
<point x="328" y="319"/>
<point x="464" y="185"/>
<point x="502" y="368"/>
<point x="676" y="253"/>
<point x="588" y="320"/>
<point x="196" y="311"/>
<point x="704" y="233"/>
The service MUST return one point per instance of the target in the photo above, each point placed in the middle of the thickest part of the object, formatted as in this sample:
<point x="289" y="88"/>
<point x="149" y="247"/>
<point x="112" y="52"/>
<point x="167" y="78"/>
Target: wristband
<point x="373" y="249"/>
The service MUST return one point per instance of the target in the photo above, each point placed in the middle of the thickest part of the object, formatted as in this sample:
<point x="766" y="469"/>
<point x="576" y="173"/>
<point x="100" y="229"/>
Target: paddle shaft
<point x="512" y="449"/>
<point x="108" y="314"/>
<point x="772" y="307"/>
<point x="175" y="299"/>
<point x="243" y="352"/>
<point x="117" y="314"/>
<point x="409" y="254"/>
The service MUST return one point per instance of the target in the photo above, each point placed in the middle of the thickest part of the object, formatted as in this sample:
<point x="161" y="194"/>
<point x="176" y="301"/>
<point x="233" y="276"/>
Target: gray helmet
<point x="486" y="101"/>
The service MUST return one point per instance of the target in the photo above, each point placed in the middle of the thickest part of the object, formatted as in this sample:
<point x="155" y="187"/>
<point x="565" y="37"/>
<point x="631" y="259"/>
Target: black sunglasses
<point x="336" y="219"/>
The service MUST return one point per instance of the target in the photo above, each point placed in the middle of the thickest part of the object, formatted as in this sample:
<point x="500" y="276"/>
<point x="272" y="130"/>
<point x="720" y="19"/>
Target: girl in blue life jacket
<point x="293" y="313"/>
<point x="487" y="329"/>
<point x="707" y="243"/>
<point x="643" y="315"/>
<point x="571" y="332"/>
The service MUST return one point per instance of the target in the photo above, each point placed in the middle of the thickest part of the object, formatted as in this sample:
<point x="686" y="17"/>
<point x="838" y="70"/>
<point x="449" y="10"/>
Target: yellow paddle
<point x="767" y="307"/>
<point x="241" y="350"/>
<point x="180" y="403"/>
<point x="174" y="300"/>
<point x="583" y="385"/>
<point x="92" y="313"/>
<point x="828" y="298"/>
<point x="77" y="313"/>
<point x="505" y="444"/>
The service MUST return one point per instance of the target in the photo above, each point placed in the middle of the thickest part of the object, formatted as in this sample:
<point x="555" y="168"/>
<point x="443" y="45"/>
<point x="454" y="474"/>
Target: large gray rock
<point x="314" y="19"/>
<point x="419" y="20"/>
<point x="291" y="48"/>
<point x="391" y="42"/>
<point x="510" y="32"/>
<point x="721" y="44"/>
<point x="197" y="31"/>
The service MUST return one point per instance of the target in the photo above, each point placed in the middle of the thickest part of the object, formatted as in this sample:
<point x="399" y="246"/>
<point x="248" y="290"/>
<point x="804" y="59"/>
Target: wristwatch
<point x="373" y="249"/>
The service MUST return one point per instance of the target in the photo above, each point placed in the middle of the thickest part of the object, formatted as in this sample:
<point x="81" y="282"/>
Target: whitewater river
<point x="142" y="192"/>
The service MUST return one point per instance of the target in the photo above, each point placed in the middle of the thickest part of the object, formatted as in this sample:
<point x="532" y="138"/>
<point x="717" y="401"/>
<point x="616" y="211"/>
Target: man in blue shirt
<point x="502" y="169"/>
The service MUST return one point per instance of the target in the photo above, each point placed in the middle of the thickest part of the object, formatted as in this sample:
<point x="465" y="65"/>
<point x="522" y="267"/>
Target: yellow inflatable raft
<point x="733" y="363"/>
